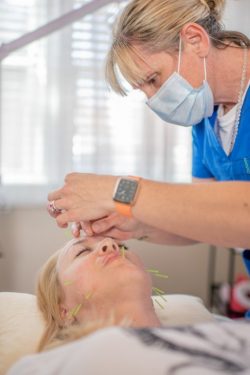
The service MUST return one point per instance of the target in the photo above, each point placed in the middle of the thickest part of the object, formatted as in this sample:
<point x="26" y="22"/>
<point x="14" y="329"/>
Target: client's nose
<point x="107" y="245"/>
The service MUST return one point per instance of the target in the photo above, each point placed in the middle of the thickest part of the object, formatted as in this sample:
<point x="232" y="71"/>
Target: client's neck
<point x="136" y="312"/>
<point x="139" y="313"/>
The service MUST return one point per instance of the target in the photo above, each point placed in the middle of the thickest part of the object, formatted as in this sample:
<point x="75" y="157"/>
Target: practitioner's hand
<point x="81" y="227"/>
<point x="84" y="227"/>
<point x="116" y="226"/>
<point x="84" y="197"/>
<point x="122" y="228"/>
<point x="54" y="211"/>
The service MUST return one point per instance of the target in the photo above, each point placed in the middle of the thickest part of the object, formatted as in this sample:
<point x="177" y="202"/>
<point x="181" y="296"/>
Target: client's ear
<point x="65" y="316"/>
<point x="63" y="312"/>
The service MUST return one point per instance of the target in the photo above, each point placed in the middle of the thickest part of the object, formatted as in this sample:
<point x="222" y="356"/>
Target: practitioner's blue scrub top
<point x="209" y="158"/>
<point x="211" y="161"/>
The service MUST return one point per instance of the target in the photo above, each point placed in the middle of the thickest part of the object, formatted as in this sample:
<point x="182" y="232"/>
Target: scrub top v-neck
<point x="209" y="158"/>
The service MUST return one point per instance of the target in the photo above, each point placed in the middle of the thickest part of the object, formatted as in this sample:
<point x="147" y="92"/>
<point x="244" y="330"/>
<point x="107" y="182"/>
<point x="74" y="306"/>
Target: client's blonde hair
<point x="49" y="296"/>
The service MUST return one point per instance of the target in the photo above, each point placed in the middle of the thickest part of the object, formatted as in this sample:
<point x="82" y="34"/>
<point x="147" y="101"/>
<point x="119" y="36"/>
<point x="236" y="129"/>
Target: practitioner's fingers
<point x="105" y="224"/>
<point x="76" y="229"/>
<point x="118" y="234"/>
<point x="86" y="227"/>
<point x="55" y="195"/>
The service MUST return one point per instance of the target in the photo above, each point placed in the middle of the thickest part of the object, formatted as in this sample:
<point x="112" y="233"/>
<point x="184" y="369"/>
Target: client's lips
<point x="109" y="258"/>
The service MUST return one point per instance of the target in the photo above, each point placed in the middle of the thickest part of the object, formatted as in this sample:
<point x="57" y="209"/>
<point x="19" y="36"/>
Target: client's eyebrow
<point x="71" y="245"/>
<point x="79" y="242"/>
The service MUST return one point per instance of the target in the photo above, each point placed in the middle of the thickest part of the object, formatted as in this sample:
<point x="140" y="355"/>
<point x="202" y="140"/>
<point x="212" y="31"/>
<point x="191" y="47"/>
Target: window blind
<point x="22" y="98"/>
<point x="58" y="115"/>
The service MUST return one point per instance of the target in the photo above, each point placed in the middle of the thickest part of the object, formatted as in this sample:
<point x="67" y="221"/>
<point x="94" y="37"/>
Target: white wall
<point x="236" y="16"/>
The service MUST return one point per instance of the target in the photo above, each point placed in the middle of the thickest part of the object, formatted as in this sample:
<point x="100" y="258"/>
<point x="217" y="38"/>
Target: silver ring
<point x="53" y="208"/>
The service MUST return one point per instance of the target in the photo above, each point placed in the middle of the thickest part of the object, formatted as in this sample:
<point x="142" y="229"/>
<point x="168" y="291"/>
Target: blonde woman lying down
<point x="94" y="283"/>
<point x="93" y="280"/>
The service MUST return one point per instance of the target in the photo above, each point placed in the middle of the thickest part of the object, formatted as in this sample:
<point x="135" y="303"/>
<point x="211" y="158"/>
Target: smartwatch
<point x="125" y="194"/>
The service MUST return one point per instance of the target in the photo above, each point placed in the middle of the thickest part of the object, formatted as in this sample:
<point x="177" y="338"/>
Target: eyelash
<point x="88" y="249"/>
<point x="152" y="80"/>
<point x="122" y="245"/>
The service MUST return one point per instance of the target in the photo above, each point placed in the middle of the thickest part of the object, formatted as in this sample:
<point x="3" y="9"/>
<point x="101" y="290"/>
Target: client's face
<point x="97" y="269"/>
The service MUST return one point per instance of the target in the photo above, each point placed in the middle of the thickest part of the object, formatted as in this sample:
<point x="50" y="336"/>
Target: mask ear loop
<point x="179" y="61"/>
<point x="179" y="57"/>
<point x="205" y="69"/>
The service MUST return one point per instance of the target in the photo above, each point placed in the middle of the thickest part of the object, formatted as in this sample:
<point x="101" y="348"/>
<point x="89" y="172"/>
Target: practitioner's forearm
<point x="213" y="212"/>
<point x="217" y="213"/>
<point x="158" y="236"/>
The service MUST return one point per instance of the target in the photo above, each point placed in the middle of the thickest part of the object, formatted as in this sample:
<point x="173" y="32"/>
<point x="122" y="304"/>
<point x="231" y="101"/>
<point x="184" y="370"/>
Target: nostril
<point x="104" y="248"/>
<point x="114" y="247"/>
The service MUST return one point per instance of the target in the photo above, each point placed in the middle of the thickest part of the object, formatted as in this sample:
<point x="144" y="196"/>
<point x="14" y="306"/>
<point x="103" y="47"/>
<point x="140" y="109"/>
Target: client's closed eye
<point x="82" y="251"/>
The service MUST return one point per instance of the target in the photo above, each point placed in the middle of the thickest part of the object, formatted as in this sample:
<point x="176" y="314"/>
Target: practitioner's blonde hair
<point x="156" y="25"/>
<point x="49" y="297"/>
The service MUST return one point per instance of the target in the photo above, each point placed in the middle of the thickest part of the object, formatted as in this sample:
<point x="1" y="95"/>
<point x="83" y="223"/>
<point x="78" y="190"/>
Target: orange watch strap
<point x="124" y="209"/>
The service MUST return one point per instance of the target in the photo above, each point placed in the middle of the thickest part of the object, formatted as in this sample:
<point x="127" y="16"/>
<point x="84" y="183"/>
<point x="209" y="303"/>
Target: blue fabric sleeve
<point x="246" y="260"/>
<point x="199" y="170"/>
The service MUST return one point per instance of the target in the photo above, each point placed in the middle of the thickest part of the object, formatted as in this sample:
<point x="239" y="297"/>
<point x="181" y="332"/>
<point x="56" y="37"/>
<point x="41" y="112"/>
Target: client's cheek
<point x="135" y="260"/>
<point x="148" y="280"/>
<point x="84" y="282"/>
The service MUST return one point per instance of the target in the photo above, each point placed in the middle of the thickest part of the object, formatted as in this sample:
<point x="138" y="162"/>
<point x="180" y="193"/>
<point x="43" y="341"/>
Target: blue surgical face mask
<point x="179" y="103"/>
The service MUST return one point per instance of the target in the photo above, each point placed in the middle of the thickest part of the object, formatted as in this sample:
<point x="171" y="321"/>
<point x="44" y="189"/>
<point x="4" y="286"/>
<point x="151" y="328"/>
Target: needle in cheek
<point x="75" y="310"/>
<point x="67" y="282"/>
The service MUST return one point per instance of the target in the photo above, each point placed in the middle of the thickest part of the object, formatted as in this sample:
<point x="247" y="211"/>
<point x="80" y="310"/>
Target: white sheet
<point x="205" y="349"/>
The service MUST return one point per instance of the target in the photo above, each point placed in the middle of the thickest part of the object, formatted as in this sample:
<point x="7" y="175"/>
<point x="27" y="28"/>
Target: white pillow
<point x="181" y="309"/>
<point x="21" y="327"/>
<point x="21" y="324"/>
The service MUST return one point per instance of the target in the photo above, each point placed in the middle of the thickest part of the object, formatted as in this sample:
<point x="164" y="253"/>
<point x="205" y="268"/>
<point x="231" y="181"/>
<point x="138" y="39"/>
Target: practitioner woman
<point x="194" y="73"/>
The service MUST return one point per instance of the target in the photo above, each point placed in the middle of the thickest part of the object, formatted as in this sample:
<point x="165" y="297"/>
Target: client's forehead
<point x="72" y="243"/>
<point x="64" y="253"/>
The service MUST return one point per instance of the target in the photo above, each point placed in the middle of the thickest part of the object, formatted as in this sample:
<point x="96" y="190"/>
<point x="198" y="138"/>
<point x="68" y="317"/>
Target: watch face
<point x="126" y="191"/>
